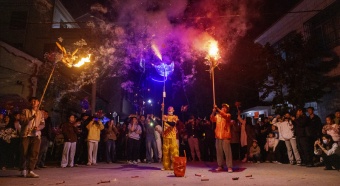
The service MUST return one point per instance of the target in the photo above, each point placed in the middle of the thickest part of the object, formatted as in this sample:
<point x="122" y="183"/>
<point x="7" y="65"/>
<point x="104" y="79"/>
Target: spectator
<point x="110" y="137"/>
<point x="158" y="135"/>
<point x="69" y="131"/>
<point x="209" y="150"/>
<point x="337" y="117"/>
<point x="255" y="152"/>
<point x="81" y="149"/>
<point x="46" y="137"/>
<point x="133" y="143"/>
<point x="264" y="129"/>
<point x="193" y="131"/>
<point x="248" y="134"/>
<point x="142" y="141"/>
<point x="313" y="132"/>
<point x="235" y="140"/>
<point x="300" y="124"/>
<point x="94" y="128"/>
<point x="287" y="133"/>
<point x="151" y="146"/>
<point x="331" y="129"/>
<point x="281" y="149"/>
<point x="329" y="151"/>
<point x="122" y="142"/>
<point x="270" y="147"/>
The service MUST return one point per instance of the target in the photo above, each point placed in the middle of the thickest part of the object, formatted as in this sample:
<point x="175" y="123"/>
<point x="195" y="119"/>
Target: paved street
<point x="150" y="174"/>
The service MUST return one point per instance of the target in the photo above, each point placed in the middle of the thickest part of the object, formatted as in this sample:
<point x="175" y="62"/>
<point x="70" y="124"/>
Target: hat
<point x="225" y="105"/>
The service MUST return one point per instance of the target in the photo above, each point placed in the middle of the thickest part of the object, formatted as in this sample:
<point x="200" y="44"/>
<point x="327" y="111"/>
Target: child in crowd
<point x="275" y="132"/>
<point x="255" y="152"/>
<point x="270" y="147"/>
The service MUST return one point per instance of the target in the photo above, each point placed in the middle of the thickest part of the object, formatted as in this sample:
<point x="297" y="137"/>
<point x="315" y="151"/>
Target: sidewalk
<point x="196" y="173"/>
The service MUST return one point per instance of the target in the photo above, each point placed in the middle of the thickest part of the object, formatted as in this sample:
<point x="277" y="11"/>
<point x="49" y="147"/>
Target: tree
<point x="296" y="74"/>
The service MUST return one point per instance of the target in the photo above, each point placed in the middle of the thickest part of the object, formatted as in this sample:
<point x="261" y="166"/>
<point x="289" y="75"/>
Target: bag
<point x="179" y="165"/>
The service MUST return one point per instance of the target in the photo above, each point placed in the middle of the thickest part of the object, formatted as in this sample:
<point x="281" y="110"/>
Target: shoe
<point x="328" y="168"/>
<point x="130" y="162"/>
<point x="244" y="160"/>
<point x="319" y="164"/>
<point x="258" y="162"/>
<point x="37" y="168"/>
<point x="219" y="169"/>
<point x="31" y="174"/>
<point x="88" y="164"/>
<point x="43" y="166"/>
<point x="76" y="165"/>
<point x="298" y="163"/>
<point x="310" y="165"/>
<point x="230" y="170"/>
<point x="23" y="173"/>
<point x="138" y="160"/>
<point x="291" y="162"/>
<point x="135" y="162"/>
<point x="94" y="164"/>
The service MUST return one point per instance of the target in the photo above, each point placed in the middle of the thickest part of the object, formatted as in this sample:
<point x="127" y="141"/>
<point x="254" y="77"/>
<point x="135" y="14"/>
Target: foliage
<point x="296" y="74"/>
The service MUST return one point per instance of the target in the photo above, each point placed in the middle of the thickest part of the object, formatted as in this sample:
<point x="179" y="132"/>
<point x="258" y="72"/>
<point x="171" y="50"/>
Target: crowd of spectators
<point x="292" y="138"/>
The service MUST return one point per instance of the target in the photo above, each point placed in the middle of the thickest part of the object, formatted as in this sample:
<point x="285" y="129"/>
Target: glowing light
<point x="213" y="51"/>
<point x="156" y="51"/>
<point x="83" y="61"/>
<point x="158" y="81"/>
<point x="164" y="69"/>
<point x="149" y="101"/>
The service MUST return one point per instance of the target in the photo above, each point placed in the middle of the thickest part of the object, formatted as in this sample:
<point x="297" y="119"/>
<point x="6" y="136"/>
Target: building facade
<point x="319" y="19"/>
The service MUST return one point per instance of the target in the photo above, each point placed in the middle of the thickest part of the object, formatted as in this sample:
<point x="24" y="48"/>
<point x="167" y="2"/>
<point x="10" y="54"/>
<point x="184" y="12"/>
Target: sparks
<point x="83" y="61"/>
<point x="157" y="52"/>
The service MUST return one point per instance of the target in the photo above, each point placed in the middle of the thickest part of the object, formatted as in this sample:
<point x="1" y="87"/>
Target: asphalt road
<point x="200" y="173"/>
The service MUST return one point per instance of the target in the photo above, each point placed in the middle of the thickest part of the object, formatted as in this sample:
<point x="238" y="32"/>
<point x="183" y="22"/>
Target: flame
<point x="213" y="51"/>
<point x="83" y="61"/>
<point x="157" y="52"/>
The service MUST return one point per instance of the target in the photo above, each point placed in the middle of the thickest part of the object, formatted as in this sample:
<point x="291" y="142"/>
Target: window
<point x="325" y="27"/>
<point x="18" y="20"/>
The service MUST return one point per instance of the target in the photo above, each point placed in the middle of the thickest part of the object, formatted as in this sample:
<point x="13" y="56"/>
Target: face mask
<point x="325" y="141"/>
<point x="170" y="113"/>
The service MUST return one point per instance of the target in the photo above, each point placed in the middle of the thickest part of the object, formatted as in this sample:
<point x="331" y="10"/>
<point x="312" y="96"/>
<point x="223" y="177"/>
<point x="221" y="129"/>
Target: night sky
<point x="268" y="12"/>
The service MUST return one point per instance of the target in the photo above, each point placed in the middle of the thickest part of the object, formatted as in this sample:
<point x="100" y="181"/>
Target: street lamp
<point x="69" y="59"/>
<point x="212" y="57"/>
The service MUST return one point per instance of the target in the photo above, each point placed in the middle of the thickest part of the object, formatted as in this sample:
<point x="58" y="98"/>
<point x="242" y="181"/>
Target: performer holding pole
<point x="170" y="147"/>
<point x="223" y="136"/>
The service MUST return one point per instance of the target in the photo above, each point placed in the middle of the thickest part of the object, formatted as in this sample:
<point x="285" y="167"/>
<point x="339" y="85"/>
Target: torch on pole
<point x="48" y="82"/>
<point x="212" y="57"/>
<point x="68" y="59"/>
<point x="212" y="68"/>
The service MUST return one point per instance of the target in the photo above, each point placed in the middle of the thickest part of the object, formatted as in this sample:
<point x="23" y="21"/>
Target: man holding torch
<point x="223" y="136"/>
